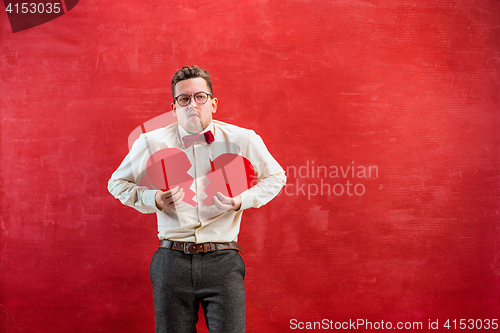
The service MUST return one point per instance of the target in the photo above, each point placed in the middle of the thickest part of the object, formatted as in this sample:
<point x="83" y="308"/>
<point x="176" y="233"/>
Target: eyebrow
<point x="194" y="94"/>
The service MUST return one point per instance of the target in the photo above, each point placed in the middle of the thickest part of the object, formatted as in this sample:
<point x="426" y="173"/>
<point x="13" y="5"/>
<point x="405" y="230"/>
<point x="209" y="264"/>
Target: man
<point x="198" y="260"/>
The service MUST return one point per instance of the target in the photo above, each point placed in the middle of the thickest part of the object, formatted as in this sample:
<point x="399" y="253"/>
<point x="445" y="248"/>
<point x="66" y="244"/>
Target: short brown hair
<point x="190" y="73"/>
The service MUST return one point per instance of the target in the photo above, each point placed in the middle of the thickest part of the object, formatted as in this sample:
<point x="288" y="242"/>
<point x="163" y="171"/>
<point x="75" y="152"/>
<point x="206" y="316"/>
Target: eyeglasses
<point x="200" y="98"/>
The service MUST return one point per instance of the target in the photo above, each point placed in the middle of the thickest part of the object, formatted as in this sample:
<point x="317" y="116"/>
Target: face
<point x="194" y="117"/>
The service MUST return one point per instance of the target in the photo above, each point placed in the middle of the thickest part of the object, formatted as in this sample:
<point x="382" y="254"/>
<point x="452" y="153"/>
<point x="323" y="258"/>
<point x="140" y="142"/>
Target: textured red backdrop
<point x="407" y="88"/>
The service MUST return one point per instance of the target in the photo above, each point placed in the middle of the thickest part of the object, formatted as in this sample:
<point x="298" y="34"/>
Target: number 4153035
<point x="34" y="8"/>
<point x="472" y="324"/>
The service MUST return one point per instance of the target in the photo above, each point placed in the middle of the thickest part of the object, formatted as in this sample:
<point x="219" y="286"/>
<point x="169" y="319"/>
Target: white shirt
<point x="200" y="223"/>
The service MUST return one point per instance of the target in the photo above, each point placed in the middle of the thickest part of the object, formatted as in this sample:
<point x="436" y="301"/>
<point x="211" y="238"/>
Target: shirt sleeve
<point x="124" y="183"/>
<point x="270" y="175"/>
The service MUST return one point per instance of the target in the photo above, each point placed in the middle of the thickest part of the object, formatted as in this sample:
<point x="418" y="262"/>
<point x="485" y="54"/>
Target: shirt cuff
<point x="149" y="199"/>
<point x="246" y="200"/>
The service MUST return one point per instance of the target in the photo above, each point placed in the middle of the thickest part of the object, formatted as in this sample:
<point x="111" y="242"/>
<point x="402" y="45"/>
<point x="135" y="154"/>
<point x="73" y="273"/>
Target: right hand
<point x="169" y="199"/>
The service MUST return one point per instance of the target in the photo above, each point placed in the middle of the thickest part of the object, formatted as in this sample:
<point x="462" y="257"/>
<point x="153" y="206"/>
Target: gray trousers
<point x="181" y="282"/>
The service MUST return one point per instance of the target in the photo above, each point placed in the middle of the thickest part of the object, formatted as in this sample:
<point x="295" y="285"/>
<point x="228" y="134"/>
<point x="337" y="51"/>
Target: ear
<point x="173" y="107"/>
<point x="215" y="101"/>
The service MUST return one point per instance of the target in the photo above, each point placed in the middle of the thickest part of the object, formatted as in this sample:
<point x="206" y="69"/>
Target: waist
<point x="193" y="248"/>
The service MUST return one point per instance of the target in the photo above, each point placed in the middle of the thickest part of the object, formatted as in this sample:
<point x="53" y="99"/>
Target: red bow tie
<point x="190" y="140"/>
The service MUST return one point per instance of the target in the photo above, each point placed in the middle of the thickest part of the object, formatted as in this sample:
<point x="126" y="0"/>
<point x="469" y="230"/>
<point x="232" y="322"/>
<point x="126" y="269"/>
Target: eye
<point x="183" y="99"/>
<point x="200" y="97"/>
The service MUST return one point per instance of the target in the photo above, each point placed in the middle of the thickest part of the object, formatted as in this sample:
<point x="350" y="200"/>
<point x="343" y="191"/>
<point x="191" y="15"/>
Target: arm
<point x="270" y="175"/>
<point x="124" y="183"/>
<point x="270" y="178"/>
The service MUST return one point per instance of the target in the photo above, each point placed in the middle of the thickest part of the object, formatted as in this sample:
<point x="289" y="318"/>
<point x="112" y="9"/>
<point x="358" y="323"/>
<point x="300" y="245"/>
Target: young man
<point x="198" y="260"/>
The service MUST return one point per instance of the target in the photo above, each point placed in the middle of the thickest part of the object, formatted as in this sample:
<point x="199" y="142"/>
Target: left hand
<point x="226" y="204"/>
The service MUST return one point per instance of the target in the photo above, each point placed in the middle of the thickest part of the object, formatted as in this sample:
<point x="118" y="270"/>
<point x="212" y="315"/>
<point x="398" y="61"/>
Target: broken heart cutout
<point x="231" y="174"/>
<point x="168" y="168"/>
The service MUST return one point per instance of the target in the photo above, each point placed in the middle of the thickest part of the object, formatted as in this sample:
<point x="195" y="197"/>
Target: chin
<point x="194" y="129"/>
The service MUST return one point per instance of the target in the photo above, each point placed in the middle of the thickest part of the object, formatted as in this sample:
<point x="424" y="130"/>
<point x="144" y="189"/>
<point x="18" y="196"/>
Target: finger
<point x="217" y="202"/>
<point x="221" y="205"/>
<point x="170" y="192"/>
<point x="179" y="199"/>
<point x="177" y="195"/>
<point x="171" y="199"/>
<point x="167" y="202"/>
<point x="165" y="196"/>
<point x="222" y="198"/>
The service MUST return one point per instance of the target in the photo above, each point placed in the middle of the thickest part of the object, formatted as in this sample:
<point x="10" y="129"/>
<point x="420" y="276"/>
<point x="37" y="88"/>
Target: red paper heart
<point x="167" y="168"/>
<point x="26" y="14"/>
<point x="232" y="174"/>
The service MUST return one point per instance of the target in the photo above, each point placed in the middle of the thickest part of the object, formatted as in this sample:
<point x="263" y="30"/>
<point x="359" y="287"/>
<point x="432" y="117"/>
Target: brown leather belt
<point x="193" y="248"/>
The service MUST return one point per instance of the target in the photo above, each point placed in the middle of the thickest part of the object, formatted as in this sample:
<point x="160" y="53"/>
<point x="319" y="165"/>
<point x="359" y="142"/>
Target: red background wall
<point x="411" y="87"/>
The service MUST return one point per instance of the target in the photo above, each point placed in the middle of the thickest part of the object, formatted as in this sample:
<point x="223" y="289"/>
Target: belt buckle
<point x="186" y="250"/>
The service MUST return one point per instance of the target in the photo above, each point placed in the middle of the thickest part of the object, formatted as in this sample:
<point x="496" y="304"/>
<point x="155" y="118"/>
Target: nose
<point x="192" y="102"/>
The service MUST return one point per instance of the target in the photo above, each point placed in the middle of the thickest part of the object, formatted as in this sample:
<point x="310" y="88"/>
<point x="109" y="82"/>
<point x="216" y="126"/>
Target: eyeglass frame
<point x="193" y="95"/>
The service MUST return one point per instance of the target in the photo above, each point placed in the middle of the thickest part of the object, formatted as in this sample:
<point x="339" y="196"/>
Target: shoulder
<point x="233" y="132"/>
<point x="163" y="132"/>
<point x="160" y="138"/>
<point x="246" y="139"/>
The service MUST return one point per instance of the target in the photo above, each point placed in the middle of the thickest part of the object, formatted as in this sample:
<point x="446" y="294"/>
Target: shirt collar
<point x="183" y="132"/>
